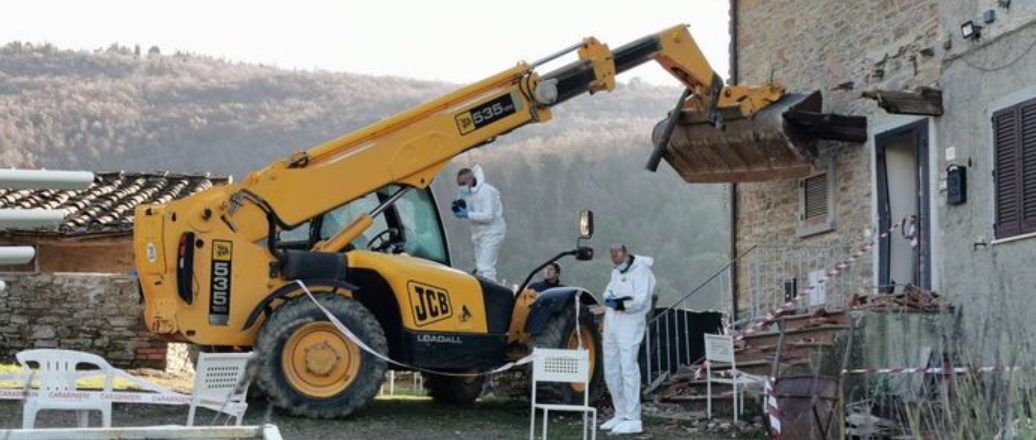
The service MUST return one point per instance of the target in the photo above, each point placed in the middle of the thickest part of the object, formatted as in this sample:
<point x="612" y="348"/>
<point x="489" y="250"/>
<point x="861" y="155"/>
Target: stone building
<point x="79" y="292"/>
<point x="971" y="66"/>
<point x="801" y="226"/>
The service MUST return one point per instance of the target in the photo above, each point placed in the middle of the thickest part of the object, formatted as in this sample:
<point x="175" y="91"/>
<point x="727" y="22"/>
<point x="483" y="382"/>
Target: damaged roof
<point x="107" y="205"/>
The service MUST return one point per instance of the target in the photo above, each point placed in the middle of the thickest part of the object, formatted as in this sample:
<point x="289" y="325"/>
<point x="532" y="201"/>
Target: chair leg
<point x="546" y="421"/>
<point x="593" y="425"/>
<point x="708" y="399"/>
<point x="83" y="418"/>
<point x="29" y="416"/>
<point x="531" y="424"/>
<point x="735" y="403"/>
<point x="585" y="416"/>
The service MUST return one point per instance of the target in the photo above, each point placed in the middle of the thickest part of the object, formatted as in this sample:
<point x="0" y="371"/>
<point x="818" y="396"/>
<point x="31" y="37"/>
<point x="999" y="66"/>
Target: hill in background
<point x="123" y="109"/>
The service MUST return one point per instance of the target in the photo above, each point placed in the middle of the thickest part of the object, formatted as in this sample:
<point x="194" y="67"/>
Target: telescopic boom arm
<point x="410" y="148"/>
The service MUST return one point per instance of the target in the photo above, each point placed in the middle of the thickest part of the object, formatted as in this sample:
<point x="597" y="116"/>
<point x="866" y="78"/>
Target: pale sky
<point x="449" y="40"/>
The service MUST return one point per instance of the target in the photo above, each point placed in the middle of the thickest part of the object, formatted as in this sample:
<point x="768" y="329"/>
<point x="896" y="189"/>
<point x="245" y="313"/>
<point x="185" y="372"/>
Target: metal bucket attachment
<point x="772" y="144"/>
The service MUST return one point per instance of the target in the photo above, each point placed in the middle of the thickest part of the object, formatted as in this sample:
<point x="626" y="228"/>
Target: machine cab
<point x="411" y="225"/>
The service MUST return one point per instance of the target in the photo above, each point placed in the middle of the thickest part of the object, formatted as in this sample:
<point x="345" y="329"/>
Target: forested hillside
<point x="123" y="109"/>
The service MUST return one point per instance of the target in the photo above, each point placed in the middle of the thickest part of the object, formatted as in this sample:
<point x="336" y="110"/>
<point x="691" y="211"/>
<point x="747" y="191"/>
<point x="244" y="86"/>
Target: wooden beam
<point x="925" y="101"/>
<point x="830" y="126"/>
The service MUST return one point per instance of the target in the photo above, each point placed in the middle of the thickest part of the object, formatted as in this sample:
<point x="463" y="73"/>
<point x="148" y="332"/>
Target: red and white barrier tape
<point x="936" y="370"/>
<point x="836" y="270"/>
<point x="773" y="413"/>
<point x="363" y="346"/>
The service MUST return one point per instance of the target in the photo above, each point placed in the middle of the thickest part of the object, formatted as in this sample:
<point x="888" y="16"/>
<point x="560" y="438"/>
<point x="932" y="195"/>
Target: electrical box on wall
<point x="956" y="184"/>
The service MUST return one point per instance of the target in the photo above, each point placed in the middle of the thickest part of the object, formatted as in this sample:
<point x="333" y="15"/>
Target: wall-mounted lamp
<point x="969" y="30"/>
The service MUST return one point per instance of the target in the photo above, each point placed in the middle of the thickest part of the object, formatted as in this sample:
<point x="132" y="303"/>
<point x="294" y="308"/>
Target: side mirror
<point x="586" y="224"/>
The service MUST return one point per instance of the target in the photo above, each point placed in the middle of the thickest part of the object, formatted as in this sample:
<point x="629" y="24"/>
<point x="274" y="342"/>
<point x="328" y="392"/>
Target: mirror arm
<point x="541" y="267"/>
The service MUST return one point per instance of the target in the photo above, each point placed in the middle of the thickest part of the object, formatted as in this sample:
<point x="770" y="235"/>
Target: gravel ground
<point x="383" y="419"/>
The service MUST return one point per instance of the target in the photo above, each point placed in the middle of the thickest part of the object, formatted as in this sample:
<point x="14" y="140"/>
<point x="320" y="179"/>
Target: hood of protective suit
<point x="480" y="177"/>
<point x="644" y="260"/>
<point x="639" y="261"/>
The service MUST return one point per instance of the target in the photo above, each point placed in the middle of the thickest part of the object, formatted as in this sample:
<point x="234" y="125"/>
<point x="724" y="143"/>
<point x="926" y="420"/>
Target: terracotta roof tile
<point x="107" y="205"/>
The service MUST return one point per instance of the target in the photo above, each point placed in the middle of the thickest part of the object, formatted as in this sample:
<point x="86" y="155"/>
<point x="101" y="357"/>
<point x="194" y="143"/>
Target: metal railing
<point x="768" y="277"/>
<point x="776" y="274"/>
<point x="668" y="339"/>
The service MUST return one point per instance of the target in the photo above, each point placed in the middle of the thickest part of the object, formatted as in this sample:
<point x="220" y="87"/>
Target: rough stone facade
<point x="840" y="48"/>
<point x="845" y="47"/>
<point x="95" y="313"/>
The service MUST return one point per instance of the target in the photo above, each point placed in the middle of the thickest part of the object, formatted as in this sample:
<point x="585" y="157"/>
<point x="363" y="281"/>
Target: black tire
<point x="556" y="334"/>
<point x="454" y="390"/>
<point x="291" y="317"/>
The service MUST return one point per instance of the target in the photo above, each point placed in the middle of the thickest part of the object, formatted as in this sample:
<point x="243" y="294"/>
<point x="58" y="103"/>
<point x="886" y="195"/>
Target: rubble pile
<point x="910" y="299"/>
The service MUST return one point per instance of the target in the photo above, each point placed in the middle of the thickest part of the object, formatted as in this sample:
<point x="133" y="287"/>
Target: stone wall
<point x="841" y="48"/>
<point x="96" y="313"/>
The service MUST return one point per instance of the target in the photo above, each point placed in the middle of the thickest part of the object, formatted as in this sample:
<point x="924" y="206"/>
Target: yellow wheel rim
<point x="588" y="344"/>
<point x="319" y="362"/>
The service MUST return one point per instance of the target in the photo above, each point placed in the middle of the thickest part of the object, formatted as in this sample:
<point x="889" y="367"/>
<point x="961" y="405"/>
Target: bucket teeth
<point x="765" y="146"/>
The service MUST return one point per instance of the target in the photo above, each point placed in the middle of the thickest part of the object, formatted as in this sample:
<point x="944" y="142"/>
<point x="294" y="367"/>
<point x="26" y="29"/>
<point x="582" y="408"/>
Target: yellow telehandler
<point x="355" y="220"/>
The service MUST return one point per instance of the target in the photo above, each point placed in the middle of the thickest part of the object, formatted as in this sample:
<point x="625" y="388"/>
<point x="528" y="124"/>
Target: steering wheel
<point x="384" y="240"/>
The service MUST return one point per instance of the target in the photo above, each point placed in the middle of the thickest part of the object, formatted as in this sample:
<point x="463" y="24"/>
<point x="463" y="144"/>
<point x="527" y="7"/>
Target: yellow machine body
<point x="214" y="266"/>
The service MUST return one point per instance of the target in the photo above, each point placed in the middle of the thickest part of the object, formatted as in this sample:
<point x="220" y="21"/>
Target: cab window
<point x="341" y="216"/>
<point x="421" y="228"/>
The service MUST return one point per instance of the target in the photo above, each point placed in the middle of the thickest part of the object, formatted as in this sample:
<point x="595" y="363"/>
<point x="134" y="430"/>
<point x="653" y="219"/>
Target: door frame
<point x="917" y="132"/>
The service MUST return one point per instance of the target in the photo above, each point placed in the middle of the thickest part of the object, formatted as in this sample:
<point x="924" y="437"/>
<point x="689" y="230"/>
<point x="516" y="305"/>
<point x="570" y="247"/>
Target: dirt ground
<point x="383" y="419"/>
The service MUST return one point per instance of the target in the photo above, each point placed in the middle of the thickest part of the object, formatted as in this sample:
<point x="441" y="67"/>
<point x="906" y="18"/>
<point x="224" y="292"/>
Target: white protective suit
<point x="488" y="228"/>
<point x="623" y="334"/>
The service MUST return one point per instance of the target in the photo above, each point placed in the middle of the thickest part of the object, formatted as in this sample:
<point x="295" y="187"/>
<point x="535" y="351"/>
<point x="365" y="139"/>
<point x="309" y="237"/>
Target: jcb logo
<point x="465" y="124"/>
<point x="222" y="250"/>
<point x="430" y="304"/>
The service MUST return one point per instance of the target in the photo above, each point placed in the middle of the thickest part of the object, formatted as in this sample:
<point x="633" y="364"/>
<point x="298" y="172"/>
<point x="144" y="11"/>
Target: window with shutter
<point x="815" y="196"/>
<point x="816" y="201"/>
<point x="1014" y="156"/>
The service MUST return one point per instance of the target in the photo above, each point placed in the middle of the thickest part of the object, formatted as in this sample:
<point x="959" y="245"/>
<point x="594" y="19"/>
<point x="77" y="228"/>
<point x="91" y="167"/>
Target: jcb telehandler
<point x="355" y="219"/>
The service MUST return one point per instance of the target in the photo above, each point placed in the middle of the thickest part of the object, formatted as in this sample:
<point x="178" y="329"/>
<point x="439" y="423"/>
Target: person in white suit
<point x="479" y="202"/>
<point x="627" y="300"/>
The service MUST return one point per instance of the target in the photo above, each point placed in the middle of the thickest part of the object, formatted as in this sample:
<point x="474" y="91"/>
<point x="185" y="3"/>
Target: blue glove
<point x="611" y="303"/>
<point x="460" y="213"/>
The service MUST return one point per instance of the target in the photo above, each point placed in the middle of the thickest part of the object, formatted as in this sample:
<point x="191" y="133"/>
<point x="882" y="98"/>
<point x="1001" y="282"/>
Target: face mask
<point x="624" y="266"/>
<point x="464" y="191"/>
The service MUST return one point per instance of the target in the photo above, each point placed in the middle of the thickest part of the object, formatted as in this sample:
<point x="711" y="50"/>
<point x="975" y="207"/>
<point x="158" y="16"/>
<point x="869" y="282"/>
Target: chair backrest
<point x="57" y="369"/>
<point x="719" y="348"/>
<point x="217" y="375"/>
<point x="554" y="365"/>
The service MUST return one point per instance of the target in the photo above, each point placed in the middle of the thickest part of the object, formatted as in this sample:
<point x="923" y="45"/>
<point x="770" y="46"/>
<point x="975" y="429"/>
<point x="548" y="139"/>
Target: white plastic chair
<point x="57" y="373"/>
<point x="215" y="379"/>
<point x="719" y="350"/>
<point x="562" y="366"/>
